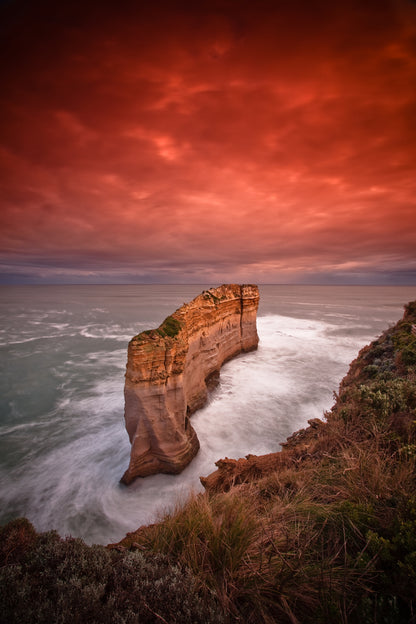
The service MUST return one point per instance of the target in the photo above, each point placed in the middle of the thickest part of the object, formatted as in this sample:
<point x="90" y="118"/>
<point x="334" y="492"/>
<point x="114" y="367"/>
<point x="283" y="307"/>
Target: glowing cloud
<point x="227" y="141"/>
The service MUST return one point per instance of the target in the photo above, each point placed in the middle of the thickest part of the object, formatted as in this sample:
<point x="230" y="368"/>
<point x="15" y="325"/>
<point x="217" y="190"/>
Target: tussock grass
<point x="214" y="536"/>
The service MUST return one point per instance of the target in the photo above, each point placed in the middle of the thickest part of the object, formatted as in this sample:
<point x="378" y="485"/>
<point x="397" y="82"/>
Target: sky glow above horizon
<point x="211" y="142"/>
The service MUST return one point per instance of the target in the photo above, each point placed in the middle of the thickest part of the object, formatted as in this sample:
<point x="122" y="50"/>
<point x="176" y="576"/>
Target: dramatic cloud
<point x="208" y="142"/>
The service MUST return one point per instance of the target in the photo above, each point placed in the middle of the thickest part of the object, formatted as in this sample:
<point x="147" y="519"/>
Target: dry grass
<point x="296" y="542"/>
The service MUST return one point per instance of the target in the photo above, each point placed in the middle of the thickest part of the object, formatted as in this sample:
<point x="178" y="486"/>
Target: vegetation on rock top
<point x="170" y="328"/>
<point x="208" y="294"/>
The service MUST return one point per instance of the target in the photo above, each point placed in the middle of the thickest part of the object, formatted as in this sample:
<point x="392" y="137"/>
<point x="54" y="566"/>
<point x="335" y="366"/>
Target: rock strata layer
<point x="170" y="369"/>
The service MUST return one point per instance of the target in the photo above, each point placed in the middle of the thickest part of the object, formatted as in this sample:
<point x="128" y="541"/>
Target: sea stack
<point x="170" y="369"/>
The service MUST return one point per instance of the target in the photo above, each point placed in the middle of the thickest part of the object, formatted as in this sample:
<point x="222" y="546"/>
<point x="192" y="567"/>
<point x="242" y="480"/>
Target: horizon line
<point x="205" y="283"/>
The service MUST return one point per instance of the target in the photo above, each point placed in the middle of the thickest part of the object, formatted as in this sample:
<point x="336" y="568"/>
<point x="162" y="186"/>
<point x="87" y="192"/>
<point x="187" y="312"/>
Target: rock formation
<point x="170" y="369"/>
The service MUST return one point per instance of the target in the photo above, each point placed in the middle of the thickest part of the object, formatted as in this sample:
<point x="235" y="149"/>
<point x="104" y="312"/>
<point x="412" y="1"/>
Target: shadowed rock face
<point x="170" y="369"/>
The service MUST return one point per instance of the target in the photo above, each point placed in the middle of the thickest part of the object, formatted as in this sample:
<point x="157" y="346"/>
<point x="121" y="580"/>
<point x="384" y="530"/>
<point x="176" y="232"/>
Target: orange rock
<point x="170" y="368"/>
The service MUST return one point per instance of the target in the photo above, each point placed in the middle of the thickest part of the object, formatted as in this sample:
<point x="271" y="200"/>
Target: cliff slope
<point x="381" y="379"/>
<point x="170" y="369"/>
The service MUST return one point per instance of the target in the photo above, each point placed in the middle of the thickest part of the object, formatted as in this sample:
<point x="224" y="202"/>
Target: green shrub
<point x="170" y="327"/>
<point x="68" y="582"/>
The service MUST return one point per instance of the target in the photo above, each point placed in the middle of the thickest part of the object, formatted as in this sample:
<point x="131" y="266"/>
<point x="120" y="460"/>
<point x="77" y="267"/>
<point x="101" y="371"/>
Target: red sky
<point x="208" y="142"/>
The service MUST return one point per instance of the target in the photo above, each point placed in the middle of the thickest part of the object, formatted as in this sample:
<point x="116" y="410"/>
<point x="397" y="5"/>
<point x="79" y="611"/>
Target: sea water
<point x="63" y="445"/>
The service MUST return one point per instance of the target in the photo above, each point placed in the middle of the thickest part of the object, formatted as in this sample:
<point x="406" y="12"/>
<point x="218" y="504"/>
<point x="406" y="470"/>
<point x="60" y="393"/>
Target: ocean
<point x="63" y="445"/>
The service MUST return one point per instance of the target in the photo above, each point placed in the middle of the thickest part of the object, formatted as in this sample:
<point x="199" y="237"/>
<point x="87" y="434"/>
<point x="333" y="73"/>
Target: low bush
<point x="54" y="580"/>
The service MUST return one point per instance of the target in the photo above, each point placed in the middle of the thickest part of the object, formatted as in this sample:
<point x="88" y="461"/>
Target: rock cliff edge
<point x="170" y="369"/>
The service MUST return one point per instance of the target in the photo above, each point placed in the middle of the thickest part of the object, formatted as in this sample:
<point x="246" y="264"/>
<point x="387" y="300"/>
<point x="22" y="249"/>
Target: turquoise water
<point x="63" y="446"/>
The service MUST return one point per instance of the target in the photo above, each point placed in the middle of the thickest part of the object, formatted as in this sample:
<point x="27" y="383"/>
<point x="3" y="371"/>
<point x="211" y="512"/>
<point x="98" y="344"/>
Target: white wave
<point x="24" y="340"/>
<point x="103" y="333"/>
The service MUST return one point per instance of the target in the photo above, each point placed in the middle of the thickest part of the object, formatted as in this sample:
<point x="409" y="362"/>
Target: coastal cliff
<point x="170" y="369"/>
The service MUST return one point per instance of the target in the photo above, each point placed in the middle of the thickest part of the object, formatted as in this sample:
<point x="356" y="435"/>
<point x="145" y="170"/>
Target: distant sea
<point x="63" y="445"/>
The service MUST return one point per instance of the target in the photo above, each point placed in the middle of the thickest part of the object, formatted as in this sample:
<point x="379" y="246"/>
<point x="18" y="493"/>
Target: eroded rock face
<point x="170" y="369"/>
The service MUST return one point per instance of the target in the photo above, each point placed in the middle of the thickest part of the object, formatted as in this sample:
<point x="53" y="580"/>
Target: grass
<point x="170" y="328"/>
<point x="208" y="294"/>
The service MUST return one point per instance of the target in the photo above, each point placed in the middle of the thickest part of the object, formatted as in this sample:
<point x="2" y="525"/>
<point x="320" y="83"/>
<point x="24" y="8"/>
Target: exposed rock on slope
<point x="169" y="370"/>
